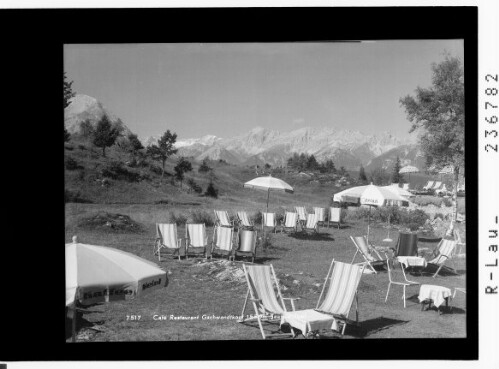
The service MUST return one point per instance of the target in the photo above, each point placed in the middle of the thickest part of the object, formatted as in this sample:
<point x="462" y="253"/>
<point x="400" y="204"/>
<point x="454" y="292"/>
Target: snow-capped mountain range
<point x="349" y="148"/>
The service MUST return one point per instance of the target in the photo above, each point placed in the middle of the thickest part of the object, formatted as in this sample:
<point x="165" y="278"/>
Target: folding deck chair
<point x="261" y="280"/>
<point x="343" y="280"/>
<point x="269" y="221"/>
<point x="244" y="220"/>
<point x="428" y="185"/>
<point x="367" y="253"/>
<point x="290" y="221"/>
<point x="334" y="216"/>
<point x="166" y="238"/>
<point x="404" y="284"/>
<point x="320" y="214"/>
<point x="247" y="240"/>
<point x="302" y="214"/>
<point x="442" y="253"/>
<point x="407" y="245"/>
<point x="222" y="219"/>
<point x="196" y="240"/>
<point x="222" y="242"/>
<point x="311" y="225"/>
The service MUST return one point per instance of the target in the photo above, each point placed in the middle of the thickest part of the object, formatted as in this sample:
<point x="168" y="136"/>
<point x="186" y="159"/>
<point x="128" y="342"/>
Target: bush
<point x="200" y="216"/>
<point x="426" y="200"/>
<point x="179" y="219"/>
<point x="211" y="191"/>
<point x="194" y="186"/>
<point x="412" y="219"/>
<point x="447" y="202"/>
<point x="116" y="170"/>
<point x="71" y="164"/>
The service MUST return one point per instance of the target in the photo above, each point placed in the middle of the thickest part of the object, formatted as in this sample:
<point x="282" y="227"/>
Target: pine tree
<point x="105" y="134"/>
<point x="68" y="92"/>
<point x="396" y="176"/>
<point x="211" y="191"/>
<point x="362" y="174"/>
<point x="163" y="150"/>
<point x="204" y="167"/>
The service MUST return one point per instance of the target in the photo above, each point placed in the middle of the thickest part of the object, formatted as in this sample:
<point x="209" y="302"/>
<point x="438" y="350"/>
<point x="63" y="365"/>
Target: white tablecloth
<point x="309" y="320"/>
<point x="437" y="293"/>
<point x="413" y="261"/>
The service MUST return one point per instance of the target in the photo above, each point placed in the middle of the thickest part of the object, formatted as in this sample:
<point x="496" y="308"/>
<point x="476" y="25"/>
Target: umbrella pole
<point x="368" y="223"/>
<point x="268" y="195"/>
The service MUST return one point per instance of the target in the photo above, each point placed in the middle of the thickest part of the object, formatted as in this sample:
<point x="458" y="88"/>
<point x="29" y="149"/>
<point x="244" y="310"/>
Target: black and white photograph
<point x="240" y="186"/>
<point x="247" y="191"/>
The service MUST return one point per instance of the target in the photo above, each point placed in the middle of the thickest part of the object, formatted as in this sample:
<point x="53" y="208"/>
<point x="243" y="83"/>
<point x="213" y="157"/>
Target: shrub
<point x="426" y="200"/>
<point x="200" y="216"/>
<point x="413" y="219"/>
<point x="257" y="217"/>
<point x="71" y="164"/>
<point x="116" y="170"/>
<point x="211" y="191"/>
<point x="194" y="186"/>
<point x="447" y="202"/>
<point x="179" y="219"/>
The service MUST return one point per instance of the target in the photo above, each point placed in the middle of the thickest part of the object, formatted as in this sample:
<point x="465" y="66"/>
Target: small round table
<point x="429" y="293"/>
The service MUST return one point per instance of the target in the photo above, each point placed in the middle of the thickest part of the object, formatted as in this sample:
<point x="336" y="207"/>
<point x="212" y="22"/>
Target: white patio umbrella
<point x="101" y="274"/>
<point x="268" y="184"/>
<point x="408" y="169"/>
<point x="399" y="191"/>
<point x="370" y="195"/>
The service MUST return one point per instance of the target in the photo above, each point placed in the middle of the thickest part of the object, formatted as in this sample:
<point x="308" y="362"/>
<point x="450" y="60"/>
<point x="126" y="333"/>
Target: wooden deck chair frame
<point x="265" y="222"/>
<point x="302" y="214"/>
<point x="222" y="218"/>
<point x="254" y="240"/>
<point x="195" y="248"/>
<point x="226" y="241"/>
<point x="288" y="218"/>
<point x="244" y="220"/>
<point x="320" y="213"/>
<point x="334" y="216"/>
<point x="258" y="303"/>
<point x="439" y="259"/>
<point x="311" y="225"/>
<point x="341" y="318"/>
<point x="370" y="263"/>
<point x="404" y="284"/>
<point x="160" y="244"/>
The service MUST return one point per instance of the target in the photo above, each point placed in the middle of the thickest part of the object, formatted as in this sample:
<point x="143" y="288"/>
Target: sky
<point x="227" y="89"/>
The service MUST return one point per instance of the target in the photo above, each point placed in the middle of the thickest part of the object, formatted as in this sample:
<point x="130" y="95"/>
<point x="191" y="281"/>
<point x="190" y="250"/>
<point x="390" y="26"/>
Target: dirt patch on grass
<point x="222" y="270"/>
<point x="105" y="221"/>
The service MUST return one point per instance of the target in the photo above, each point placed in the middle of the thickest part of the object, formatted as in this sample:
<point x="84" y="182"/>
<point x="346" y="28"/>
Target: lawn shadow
<point x="368" y="327"/>
<point x="311" y="237"/>
<point x="263" y="259"/>
<point x="81" y="323"/>
<point x="444" y="272"/>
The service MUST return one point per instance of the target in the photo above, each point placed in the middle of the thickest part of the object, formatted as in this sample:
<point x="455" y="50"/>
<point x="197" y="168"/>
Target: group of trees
<point x="301" y="162"/>
<point x="379" y="176"/>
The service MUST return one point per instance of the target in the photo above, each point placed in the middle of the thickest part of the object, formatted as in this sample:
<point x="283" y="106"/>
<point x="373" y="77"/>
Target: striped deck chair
<point x="407" y="245"/>
<point x="404" y="283"/>
<point x="290" y="221"/>
<point x="320" y="214"/>
<point x="222" y="219"/>
<point x="196" y="240"/>
<point x="311" y="225"/>
<point x="343" y="280"/>
<point x="371" y="256"/>
<point x="302" y="214"/>
<point x="269" y="221"/>
<point x="166" y="237"/>
<point x="442" y="253"/>
<point x="428" y="185"/>
<point x="334" y="216"/>
<point x="436" y="186"/>
<point x="222" y="242"/>
<point x="244" y="220"/>
<point x="246" y="242"/>
<point x="268" y="307"/>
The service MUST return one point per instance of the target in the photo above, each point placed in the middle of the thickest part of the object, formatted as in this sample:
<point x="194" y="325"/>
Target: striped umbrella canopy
<point x="370" y="195"/>
<point x="97" y="274"/>
<point x="268" y="184"/>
